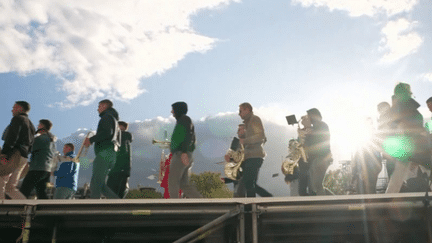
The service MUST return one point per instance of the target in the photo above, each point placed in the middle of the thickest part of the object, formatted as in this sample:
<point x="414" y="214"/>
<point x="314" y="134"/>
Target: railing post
<point x="241" y="226"/>
<point x="254" y="223"/>
<point x="28" y="214"/>
<point x="54" y="235"/>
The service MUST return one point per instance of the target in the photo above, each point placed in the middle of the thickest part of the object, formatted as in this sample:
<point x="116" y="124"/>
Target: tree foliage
<point x="210" y="185"/>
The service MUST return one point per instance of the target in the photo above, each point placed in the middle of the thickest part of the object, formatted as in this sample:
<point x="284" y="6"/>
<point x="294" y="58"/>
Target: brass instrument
<point x="233" y="167"/>
<point x="83" y="149"/>
<point x="163" y="145"/>
<point x="296" y="152"/>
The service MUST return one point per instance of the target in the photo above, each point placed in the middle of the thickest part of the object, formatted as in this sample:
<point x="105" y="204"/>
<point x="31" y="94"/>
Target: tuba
<point x="163" y="145"/>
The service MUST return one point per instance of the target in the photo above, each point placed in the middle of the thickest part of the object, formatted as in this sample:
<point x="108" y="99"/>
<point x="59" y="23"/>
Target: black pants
<point x="38" y="180"/>
<point x="118" y="182"/>
<point x="250" y="177"/>
<point x="304" y="180"/>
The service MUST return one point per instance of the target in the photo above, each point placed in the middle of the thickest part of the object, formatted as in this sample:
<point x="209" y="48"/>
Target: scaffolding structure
<point x="355" y="218"/>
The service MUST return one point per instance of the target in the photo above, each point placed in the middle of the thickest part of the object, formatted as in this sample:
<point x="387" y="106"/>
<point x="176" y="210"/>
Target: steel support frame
<point x="207" y="229"/>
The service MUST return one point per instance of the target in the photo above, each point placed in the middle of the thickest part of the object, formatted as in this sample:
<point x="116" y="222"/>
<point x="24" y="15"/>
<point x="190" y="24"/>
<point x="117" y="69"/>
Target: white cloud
<point x="357" y="8"/>
<point x="428" y="76"/>
<point x="399" y="41"/>
<point x="99" y="48"/>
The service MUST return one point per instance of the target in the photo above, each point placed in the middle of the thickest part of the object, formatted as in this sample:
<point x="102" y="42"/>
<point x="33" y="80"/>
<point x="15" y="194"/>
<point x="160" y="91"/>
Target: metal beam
<point x="204" y="229"/>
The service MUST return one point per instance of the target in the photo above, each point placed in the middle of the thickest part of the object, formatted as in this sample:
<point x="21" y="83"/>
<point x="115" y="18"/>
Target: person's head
<point x="244" y="109"/>
<point x="179" y="108"/>
<point x="429" y="103"/>
<point x="383" y="107"/>
<point x="292" y="145"/>
<point x="104" y="104"/>
<point x="402" y="91"/>
<point x="305" y="121"/>
<point x="20" y="107"/>
<point x="45" y="124"/>
<point x="69" y="147"/>
<point x="314" y="114"/>
<point x="241" y="131"/>
<point x="123" y="125"/>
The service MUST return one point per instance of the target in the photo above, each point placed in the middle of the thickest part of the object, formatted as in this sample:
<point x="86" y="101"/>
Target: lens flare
<point x="400" y="147"/>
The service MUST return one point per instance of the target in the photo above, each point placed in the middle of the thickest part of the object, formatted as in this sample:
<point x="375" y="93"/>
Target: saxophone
<point x="233" y="167"/>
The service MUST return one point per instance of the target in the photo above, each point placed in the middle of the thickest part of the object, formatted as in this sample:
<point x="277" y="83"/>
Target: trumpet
<point x="163" y="145"/>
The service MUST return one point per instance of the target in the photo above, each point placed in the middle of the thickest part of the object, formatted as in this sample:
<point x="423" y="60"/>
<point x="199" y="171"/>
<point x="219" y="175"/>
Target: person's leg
<point x="118" y="181"/>
<point x="102" y="164"/>
<point x="41" y="184"/>
<point x="11" y="186"/>
<point x="175" y="174"/>
<point x="399" y="174"/>
<point x="303" y="178"/>
<point x="262" y="192"/>
<point x="250" y="175"/>
<point x="3" y="181"/>
<point x="113" y="182"/>
<point x="188" y="189"/>
<point x="317" y="170"/>
<point x="239" y="188"/>
<point x="28" y="183"/>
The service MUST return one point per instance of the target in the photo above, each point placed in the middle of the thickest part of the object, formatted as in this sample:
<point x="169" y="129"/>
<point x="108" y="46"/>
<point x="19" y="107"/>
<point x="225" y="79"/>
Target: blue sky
<point x="284" y="57"/>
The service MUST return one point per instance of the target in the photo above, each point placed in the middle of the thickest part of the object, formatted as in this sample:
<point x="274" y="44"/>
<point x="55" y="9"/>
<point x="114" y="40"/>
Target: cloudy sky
<point x="282" y="56"/>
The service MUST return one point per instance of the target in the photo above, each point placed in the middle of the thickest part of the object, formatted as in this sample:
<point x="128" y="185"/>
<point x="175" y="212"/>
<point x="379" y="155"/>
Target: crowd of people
<point x="401" y="138"/>
<point x="111" y="166"/>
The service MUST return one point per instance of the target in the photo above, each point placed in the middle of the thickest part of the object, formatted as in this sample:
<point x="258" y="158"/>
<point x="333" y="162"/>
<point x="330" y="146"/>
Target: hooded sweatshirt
<point x="107" y="133"/>
<point x="183" y="137"/>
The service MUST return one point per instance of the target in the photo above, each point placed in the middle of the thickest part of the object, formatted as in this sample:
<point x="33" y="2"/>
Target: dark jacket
<point x="43" y="152"/>
<point x="124" y="155"/>
<point x="19" y="135"/>
<point x="107" y="133"/>
<point x="407" y="122"/>
<point x="183" y="137"/>
<point x="405" y="116"/>
<point x="317" y="143"/>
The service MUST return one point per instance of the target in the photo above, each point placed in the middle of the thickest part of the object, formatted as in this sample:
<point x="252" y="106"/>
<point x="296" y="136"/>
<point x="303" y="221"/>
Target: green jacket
<point x="42" y="153"/>
<point x="183" y="137"/>
<point x="124" y="155"/>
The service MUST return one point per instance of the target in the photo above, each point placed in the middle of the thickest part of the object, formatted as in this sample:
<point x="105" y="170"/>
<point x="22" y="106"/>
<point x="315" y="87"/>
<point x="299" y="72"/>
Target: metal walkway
<point x="356" y="218"/>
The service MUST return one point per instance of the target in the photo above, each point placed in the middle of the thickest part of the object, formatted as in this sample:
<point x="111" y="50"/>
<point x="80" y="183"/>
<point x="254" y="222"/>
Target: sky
<point x="282" y="56"/>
